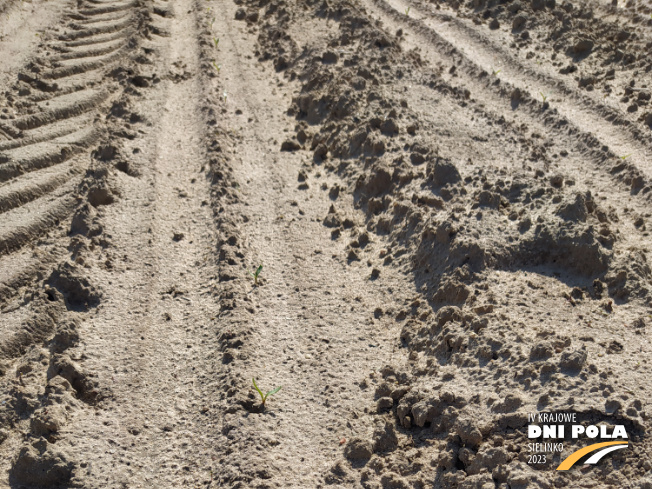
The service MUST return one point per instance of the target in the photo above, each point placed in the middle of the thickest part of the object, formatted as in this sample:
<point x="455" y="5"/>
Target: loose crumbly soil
<point x="450" y="201"/>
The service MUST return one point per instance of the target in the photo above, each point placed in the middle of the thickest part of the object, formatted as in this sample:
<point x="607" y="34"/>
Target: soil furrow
<point x="308" y="335"/>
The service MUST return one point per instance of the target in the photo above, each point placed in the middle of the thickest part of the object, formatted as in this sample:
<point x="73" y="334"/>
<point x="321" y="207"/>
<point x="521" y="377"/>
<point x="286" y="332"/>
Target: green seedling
<point x="543" y="97"/>
<point x="495" y="72"/>
<point x="263" y="397"/>
<point x="407" y="11"/>
<point x="225" y="95"/>
<point x="256" y="273"/>
<point x="216" y="41"/>
<point x="216" y="66"/>
<point x="625" y="157"/>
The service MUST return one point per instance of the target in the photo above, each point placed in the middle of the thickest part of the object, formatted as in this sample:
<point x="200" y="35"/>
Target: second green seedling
<point x="255" y="276"/>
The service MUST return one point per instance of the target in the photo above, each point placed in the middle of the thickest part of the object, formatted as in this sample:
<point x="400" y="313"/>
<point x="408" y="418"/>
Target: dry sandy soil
<point x="450" y="200"/>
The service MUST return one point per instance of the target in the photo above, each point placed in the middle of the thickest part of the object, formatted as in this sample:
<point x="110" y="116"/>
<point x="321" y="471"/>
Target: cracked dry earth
<point x="450" y="200"/>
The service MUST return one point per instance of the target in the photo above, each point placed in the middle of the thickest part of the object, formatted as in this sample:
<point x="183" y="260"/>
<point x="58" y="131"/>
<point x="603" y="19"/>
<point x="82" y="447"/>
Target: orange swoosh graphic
<point x="575" y="456"/>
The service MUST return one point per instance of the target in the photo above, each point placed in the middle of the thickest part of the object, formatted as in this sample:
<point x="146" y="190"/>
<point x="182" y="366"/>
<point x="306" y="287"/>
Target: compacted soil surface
<point x="450" y="202"/>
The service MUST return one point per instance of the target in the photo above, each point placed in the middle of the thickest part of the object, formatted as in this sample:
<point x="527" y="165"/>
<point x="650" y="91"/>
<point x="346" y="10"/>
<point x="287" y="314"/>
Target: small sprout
<point x="256" y="273"/>
<point x="263" y="397"/>
<point x="625" y="157"/>
<point x="216" y="41"/>
<point x="216" y="66"/>
<point x="495" y="72"/>
<point x="407" y="11"/>
<point x="543" y="97"/>
<point x="224" y="95"/>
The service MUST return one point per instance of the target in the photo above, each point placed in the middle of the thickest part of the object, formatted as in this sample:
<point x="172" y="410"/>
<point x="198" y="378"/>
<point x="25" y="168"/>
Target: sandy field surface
<point x="449" y="200"/>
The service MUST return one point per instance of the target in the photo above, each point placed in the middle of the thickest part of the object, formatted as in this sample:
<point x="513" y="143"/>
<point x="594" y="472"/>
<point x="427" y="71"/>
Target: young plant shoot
<point x="263" y="397"/>
<point x="256" y="273"/>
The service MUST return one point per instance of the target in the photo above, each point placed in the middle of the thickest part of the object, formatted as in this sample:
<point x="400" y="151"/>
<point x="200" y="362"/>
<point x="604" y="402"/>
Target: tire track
<point x="161" y="259"/>
<point x="58" y="110"/>
<point x="601" y="167"/>
<point x="61" y="125"/>
<point x="18" y="42"/>
<point x="613" y="128"/>
<point x="607" y="141"/>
